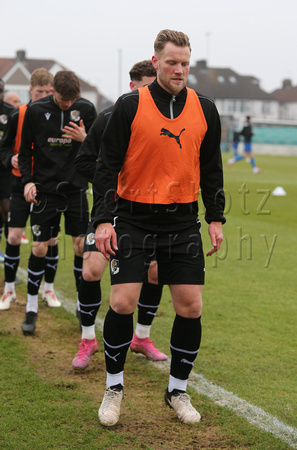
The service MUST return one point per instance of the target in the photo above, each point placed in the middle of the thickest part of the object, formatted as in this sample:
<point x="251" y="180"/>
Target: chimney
<point x="287" y="83"/>
<point x="202" y="65"/>
<point x="21" y="55"/>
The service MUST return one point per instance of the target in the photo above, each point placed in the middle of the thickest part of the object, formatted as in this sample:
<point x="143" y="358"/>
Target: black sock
<point x="12" y="259"/>
<point x="148" y="303"/>
<point x="35" y="273"/>
<point x="184" y="345"/>
<point x="6" y="230"/>
<point x="89" y="296"/>
<point x="51" y="263"/>
<point x="78" y="263"/>
<point x="117" y="336"/>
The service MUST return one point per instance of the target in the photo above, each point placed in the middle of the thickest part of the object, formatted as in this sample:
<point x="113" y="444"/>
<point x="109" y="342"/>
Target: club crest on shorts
<point x="75" y="115"/>
<point x="114" y="266"/>
<point x="90" y="239"/>
<point x="36" y="230"/>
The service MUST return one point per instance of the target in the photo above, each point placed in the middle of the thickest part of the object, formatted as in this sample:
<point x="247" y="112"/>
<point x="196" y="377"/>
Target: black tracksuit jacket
<point x="87" y="155"/>
<point x="54" y="171"/>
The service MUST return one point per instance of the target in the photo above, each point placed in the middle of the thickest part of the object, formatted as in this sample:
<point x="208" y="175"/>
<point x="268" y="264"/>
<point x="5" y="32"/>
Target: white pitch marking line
<point x="256" y="416"/>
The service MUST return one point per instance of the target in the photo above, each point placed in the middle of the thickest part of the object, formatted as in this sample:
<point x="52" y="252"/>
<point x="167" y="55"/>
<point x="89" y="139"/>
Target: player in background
<point x="94" y="264"/>
<point x="53" y="185"/>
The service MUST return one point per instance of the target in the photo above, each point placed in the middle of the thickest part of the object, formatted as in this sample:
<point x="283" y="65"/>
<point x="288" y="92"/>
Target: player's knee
<point x="14" y="238"/>
<point x="124" y="297"/>
<point x="123" y="305"/>
<point x="78" y="245"/>
<point x="91" y="274"/>
<point x="92" y="271"/>
<point x="39" y="249"/>
<point x="153" y="273"/>
<point x="53" y="241"/>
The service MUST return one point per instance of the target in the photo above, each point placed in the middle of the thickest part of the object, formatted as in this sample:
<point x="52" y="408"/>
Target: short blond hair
<point x="41" y="77"/>
<point x="178" y="38"/>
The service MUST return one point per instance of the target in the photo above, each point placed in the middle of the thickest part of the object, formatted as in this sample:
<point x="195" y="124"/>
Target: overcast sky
<point x="101" y="40"/>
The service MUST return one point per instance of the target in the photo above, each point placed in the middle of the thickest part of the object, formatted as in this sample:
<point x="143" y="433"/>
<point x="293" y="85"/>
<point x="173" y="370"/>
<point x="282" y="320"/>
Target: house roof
<point x="286" y="94"/>
<point x="222" y="83"/>
<point x="17" y="71"/>
<point x="5" y="65"/>
<point x="30" y="64"/>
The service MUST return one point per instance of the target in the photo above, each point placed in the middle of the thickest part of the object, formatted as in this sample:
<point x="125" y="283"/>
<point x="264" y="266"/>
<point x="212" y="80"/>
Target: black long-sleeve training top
<point x="7" y="144"/>
<point x="87" y="155"/>
<point x="5" y="111"/>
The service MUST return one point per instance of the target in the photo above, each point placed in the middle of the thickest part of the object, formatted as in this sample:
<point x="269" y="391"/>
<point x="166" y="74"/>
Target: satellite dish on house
<point x="279" y="191"/>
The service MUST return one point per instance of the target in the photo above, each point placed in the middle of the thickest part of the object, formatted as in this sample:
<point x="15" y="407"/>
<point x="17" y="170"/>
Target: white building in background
<point x="274" y="115"/>
<point x="235" y="95"/>
<point x="286" y="96"/>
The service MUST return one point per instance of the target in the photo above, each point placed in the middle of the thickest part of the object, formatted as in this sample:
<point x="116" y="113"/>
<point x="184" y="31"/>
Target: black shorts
<point x="46" y="215"/>
<point x="89" y="243"/>
<point x="5" y="185"/>
<point x="19" y="211"/>
<point x="179" y="255"/>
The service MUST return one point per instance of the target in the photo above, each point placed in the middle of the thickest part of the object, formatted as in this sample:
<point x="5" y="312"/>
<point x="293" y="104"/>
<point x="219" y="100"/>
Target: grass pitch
<point x="248" y="344"/>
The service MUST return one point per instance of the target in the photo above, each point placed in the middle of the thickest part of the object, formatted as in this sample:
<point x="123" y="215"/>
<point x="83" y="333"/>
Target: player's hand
<point x="75" y="132"/>
<point x="215" y="231"/>
<point x="106" y="239"/>
<point x="15" y="161"/>
<point x="30" y="193"/>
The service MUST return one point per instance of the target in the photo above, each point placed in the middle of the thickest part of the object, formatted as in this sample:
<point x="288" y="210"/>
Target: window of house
<point x="192" y="79"/>
<point x="232" y="79"/>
